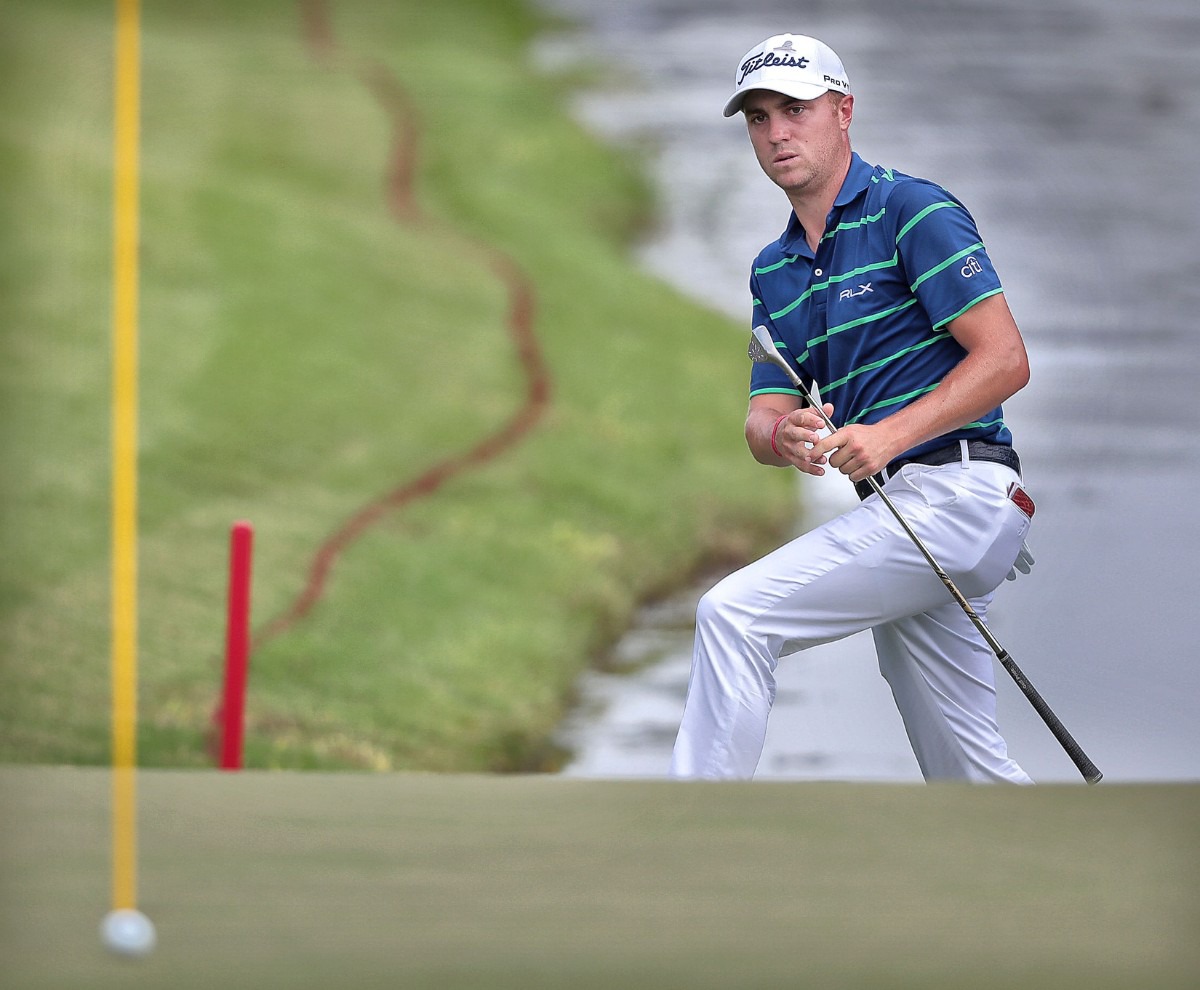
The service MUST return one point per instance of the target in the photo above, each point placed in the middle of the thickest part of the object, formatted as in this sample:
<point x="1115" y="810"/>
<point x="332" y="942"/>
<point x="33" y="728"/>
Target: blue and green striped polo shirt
<point x="865" y="317"/>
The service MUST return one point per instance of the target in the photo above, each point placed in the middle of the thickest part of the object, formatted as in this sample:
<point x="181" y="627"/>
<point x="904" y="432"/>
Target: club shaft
<point x="1085" y="766"/>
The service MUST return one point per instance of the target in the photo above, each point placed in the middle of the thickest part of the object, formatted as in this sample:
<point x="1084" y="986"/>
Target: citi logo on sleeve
<point x="971" y="268"/>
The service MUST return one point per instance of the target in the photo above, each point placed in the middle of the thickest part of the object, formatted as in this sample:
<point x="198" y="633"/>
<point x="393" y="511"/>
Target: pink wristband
<point x="774" y="430"/>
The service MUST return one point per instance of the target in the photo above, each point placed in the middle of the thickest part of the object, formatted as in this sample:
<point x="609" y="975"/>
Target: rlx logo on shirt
<point x="862" y="290"/>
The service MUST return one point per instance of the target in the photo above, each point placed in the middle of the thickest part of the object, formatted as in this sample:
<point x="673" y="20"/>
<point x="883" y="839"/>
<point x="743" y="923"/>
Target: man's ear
<point x="846" y="110"/>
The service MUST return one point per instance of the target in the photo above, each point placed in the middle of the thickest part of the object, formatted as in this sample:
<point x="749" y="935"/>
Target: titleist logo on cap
<point x="760" y="60"/>
<point x="792" y="64"/>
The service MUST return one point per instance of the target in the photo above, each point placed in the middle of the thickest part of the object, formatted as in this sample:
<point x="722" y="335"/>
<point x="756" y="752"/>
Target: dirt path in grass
<point x="399" y="190"/>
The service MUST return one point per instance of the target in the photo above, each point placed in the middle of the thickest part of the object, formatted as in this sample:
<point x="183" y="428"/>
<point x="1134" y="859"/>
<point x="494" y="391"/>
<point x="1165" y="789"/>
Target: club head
<point x="762" y="350"/>
<point x="762" y="347"/>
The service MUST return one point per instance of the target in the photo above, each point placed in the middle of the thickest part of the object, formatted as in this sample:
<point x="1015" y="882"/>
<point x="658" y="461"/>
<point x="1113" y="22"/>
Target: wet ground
<point x="1070" y="129"/>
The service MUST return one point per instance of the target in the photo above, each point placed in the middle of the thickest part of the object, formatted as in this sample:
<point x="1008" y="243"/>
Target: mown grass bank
<point x="305" y="350"/>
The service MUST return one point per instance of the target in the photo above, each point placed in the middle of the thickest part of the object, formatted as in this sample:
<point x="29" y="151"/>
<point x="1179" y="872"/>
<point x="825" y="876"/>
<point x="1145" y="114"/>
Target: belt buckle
<point x="1021" y="499"/>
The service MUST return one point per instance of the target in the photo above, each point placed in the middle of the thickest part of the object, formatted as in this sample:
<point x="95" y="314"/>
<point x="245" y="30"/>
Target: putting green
<point x="263" y="879"/>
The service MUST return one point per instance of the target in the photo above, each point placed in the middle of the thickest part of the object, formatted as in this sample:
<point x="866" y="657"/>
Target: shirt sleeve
<point x="944" y="260"/>
<point x="767" y="378"/>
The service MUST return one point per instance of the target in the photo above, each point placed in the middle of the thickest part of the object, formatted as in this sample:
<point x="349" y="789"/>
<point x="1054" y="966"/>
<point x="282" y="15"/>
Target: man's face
<point x="801" y="145"/>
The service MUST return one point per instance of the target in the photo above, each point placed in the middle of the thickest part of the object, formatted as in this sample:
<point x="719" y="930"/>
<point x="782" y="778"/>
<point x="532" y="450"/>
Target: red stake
<point x="237" y="646"/>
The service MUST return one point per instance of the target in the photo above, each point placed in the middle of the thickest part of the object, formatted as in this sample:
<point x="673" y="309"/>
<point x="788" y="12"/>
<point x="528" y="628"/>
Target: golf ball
<point x="127" y="933"/>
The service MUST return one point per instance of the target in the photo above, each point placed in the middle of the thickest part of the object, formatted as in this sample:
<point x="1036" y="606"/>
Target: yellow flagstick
<point x="125" y="930"/>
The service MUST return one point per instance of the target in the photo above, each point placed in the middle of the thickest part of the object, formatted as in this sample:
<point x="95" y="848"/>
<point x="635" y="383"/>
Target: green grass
<point x="304" y="880"/>
<point x="303" y="352"/>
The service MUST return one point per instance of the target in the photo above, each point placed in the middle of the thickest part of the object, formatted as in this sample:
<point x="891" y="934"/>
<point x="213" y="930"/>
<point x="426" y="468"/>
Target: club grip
<point x="1091" y="773"/>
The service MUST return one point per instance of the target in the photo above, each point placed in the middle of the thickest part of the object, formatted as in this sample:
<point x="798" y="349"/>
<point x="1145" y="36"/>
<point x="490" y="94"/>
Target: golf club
<point x="763" y="350"/>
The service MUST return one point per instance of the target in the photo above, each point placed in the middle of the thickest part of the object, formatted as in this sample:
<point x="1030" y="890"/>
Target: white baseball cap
<point x="792" y="64"/>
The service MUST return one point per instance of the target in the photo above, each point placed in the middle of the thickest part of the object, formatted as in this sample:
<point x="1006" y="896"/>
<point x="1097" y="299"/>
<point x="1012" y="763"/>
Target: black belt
<point x="977" y="450"/>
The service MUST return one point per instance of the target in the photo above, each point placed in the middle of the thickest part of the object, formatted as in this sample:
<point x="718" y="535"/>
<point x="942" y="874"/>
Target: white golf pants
<point x="860" y="571"/>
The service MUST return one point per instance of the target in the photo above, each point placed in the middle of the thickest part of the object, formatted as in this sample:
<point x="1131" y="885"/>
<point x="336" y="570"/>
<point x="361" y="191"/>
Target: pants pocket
<point x="1000" y="542"/>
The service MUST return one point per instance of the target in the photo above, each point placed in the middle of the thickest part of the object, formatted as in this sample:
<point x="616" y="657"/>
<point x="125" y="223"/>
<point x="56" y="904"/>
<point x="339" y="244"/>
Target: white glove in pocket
<point x="1024" y="562"/>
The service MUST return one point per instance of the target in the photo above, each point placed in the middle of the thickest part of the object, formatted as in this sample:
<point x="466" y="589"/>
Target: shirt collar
<point x="858" y="177"/>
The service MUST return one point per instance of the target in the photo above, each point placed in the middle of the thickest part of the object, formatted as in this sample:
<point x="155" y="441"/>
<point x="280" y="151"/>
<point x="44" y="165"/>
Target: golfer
<point x="882" y="295"/>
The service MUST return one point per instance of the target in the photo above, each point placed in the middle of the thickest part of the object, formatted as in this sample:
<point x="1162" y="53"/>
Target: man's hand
<point x="794" y="435"/>
<point x="857" y="451"/>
